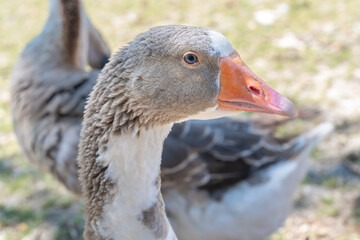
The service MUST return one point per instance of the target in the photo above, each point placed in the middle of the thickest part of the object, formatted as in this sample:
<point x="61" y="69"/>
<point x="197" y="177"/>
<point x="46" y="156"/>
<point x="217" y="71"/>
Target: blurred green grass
<point x="324" y="35"/>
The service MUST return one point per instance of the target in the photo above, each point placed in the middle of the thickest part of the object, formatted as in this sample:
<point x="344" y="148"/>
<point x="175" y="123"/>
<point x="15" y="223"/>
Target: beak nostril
<point x="254" y="90"/>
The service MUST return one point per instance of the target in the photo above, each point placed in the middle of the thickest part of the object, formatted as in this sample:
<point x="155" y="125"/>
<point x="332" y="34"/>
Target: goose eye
<point x="191" y="58"/>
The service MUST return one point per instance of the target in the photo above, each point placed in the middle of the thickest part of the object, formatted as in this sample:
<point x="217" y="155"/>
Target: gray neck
<point x="135" y="209"/>
<point x="50" y="44"/>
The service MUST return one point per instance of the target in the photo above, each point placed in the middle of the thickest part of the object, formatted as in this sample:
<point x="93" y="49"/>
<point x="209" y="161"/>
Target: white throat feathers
<point x="135" y="209"/>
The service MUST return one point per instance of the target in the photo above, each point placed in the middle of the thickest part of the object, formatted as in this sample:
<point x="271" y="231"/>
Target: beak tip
<point x="288" y="108"/>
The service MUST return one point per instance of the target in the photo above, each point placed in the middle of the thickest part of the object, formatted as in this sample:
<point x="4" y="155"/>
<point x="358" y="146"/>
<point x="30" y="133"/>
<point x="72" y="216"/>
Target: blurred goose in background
<point x="130" y="113"/>
<point x="242" y="178"/>
<point x="49" y="87"/>
<point x="216" y="175"/>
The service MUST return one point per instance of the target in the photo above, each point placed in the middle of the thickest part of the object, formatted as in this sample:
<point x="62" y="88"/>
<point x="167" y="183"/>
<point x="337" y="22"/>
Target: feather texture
<point x="215" y="154"/>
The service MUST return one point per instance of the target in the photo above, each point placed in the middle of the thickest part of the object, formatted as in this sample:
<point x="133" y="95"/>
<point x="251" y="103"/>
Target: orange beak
<point x="242" y="90"/>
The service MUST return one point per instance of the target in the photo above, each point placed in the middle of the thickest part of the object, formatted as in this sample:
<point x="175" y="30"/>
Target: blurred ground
<point x="307" y="50"/>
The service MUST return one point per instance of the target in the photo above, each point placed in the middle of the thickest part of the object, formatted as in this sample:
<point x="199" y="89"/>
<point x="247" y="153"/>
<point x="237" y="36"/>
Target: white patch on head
<point x="220" y="44"/>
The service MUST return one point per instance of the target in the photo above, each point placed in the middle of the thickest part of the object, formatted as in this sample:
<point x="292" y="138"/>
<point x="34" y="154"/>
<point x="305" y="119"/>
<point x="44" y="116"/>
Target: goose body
<point x="49" y="87"/>
<point x="250" y="196"/>
<point x="128" y="117"/>
<point x="208" y="167"/>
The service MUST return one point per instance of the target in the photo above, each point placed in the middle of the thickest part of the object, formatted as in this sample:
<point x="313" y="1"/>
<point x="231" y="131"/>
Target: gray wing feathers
<point x="47" y="120"/>
<point x="228" y="151"/>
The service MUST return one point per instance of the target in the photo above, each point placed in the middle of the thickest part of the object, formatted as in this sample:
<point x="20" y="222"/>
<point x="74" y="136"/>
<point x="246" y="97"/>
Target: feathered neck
<point x="119" y="158"/>
<point x="63" y="37"/>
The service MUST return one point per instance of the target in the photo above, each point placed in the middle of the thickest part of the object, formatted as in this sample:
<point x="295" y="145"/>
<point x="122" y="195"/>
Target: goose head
<point x="181" y="72"/>
<point x="165" y="75"/>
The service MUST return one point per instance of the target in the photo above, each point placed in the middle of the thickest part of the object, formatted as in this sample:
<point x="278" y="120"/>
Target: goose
<point x="168" y="75"/>
<point x="202" y="161"/>
<point x="49" y="86"/>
